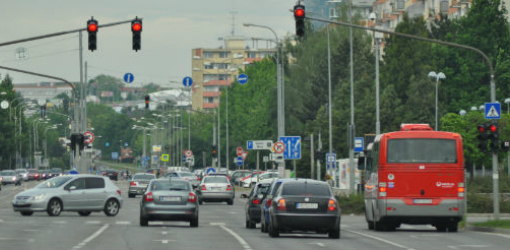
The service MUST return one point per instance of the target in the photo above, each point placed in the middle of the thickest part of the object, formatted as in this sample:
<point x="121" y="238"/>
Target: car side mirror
<point x="244" y="196"/>
<point x="71" y="188"/>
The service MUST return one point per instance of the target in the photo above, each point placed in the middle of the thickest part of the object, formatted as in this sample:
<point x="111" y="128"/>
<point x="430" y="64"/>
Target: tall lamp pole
<point x="438" y="76"/>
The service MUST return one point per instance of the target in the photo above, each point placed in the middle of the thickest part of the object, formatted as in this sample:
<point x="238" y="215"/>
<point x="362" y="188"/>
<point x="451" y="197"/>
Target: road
<point x="220" y="227"/>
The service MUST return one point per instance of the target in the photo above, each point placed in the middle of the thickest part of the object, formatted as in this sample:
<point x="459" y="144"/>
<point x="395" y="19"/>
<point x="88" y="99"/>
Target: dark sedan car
<point x="252" y="207"/>
<point x="304" y="205"/>
<point x="169" y="200"/>
<point x="266" y="203"/>
<point x="112" y="174"/>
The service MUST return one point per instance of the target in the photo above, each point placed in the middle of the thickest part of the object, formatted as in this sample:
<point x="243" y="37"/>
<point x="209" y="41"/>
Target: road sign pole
<point x="258" y="165"/>
<point x="295" y="173"/>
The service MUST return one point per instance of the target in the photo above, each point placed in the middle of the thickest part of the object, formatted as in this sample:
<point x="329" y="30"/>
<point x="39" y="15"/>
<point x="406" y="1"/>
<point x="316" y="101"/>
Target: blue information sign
<point x="187" y="81"/>
<point x="126" y="144"/>
<point x="129" y="78"/>
<point x="115" y="155"/>
<point x="292" y="147"/>
<point x="358" y="144"/>
<point x="249" y="145"/>
<point x="331" y="160"/>
<point x="493" y="110"/>
<point x="242" y="79"/>
<point x="239" y="160"/>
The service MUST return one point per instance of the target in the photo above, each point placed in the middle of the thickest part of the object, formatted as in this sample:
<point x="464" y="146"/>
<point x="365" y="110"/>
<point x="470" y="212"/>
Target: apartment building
<point x="214" y="69"/>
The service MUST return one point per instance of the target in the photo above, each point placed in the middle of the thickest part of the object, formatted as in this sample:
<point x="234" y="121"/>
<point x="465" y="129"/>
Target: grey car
<point x="10" y="177"/>
<point x="138" y="183"/>
<point x="169" y="200"/>
<point x="184" y="175"/>
<point x="80" y="193"/>
<point x="216" y="188"/>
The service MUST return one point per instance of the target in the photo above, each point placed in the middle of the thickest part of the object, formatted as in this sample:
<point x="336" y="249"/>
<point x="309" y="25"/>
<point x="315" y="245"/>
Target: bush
<point x="353" y="204"/>
<point x="482" y="203"/>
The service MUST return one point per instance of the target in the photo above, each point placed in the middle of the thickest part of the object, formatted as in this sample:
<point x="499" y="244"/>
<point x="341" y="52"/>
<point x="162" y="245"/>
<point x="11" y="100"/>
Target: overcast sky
<point x="171" y="28"/>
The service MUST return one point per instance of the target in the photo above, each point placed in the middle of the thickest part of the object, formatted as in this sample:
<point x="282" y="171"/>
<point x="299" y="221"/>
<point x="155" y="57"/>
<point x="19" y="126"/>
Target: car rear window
<point x="144" y="177"/>
<point x="306" y="189"/>
<point x="216" y="179"/>
<point x="170" y="185"/>
<point x="262" y="189"/>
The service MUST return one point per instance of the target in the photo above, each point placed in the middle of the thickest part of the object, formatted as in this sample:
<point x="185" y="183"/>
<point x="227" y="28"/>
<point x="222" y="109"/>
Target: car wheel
<point x="273" y="232"/>
<point x="252" y="224"/>
<point x="200" y="202"/>
<point x="26" y="213"/>
<point x="54" y="207"/>
<point x="143" y="221"/>
<point x="131" y="195"/>
<point x="84" y="213"/>
<point x="334" y="233"/>
<point x="194" y="222"/>
<point x="112" y="207"/>
<point x="230" y="202"/>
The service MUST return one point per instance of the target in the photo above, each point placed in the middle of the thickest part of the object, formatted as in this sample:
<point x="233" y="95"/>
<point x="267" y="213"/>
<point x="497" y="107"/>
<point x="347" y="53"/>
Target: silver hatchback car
<point x="216" y="188"/>
<point x="80" y="193"/>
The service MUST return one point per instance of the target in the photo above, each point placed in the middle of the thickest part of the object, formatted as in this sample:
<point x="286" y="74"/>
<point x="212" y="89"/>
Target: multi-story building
<point x="43" y="92"/>
<point x="213" y="69"/>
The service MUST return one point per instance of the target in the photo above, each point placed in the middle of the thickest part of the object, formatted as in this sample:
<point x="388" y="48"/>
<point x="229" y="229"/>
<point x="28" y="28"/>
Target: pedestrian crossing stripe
<point x="493" y="112"/>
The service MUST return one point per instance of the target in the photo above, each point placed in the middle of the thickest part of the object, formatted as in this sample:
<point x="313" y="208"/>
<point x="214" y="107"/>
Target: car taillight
<point x="281" y="205"/>
<point x="118" y="192"/>
<point x="132" y="183"/>
<point x="268" y="202"/>
<point x="332" y="205"/>
<point x="199" y="179"/>
<point x="192" y="197"/>
<point x="229" y="188"/>
<point x="148" y="197"/>
<point x="256" y="201"/>
<point x="203" y="187"/>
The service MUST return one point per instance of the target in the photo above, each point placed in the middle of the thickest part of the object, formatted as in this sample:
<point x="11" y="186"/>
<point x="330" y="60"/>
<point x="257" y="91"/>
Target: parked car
<point x="22" y="173"/>
<point x="266" y="203"/>
<point x="10" y="177"/>
<point x="250" y="180"/>
<point x="304" y="205"/>
<point x="235" y="178"/>
<point x="80" y="193"/>
<point x="169" y="200"/>
<point x="138" y="183"/>
<point x="33" y="174"/>
<point x="268" y="177"/>
<point x="252" y="206"/>
<point x="216" y="188"/>
<point x="112" y="174"/>
<point x="185" y="175"/>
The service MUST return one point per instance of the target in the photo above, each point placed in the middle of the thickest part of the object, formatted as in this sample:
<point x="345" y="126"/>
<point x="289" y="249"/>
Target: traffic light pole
<point x="495" y="175"/>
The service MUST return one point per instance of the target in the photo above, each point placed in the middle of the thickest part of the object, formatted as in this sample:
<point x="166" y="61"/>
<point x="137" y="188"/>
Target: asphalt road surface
<point x="220" y="227"/>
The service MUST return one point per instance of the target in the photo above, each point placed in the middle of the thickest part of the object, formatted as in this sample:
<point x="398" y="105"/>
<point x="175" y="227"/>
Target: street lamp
<point x="376" y="37"/>
<point x="438" y="76"/>
<point x="462" y="112"/>
<point x="507" y="101"/>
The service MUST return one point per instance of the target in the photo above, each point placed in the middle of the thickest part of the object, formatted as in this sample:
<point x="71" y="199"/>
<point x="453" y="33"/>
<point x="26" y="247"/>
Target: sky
<point x="171" y="29"/>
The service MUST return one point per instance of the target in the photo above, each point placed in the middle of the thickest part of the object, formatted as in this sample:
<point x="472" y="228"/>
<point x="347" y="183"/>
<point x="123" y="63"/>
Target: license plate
<point x="307" y="205"/>
<point x="422" y="201"/>
<point x="170" y="198"/>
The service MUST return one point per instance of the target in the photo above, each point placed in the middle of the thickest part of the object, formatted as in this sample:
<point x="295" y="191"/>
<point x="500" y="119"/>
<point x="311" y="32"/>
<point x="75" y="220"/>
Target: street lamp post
<point x="438" y="76"/>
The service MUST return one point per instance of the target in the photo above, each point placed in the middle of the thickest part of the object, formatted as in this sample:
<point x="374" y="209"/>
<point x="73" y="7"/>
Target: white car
<point x="253" y="180"/>
<point x="268" y="177"/>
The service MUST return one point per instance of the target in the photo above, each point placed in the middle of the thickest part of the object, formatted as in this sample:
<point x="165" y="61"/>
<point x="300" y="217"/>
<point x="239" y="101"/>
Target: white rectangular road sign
<point x="259" y="145"/>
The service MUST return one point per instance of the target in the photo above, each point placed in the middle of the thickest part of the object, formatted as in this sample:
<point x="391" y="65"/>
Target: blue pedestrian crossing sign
<point x="492" y="110"/>
<point x="129" y="78"/>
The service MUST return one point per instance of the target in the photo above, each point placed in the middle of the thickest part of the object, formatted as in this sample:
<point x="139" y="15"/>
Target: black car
<point x="252" y="207"/>
<point x="112" y="174"/>
<point x="304" y="205"/>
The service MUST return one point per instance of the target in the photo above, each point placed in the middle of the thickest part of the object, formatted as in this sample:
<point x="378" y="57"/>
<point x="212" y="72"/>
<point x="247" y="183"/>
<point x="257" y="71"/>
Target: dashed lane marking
<point x="91" y="237"/>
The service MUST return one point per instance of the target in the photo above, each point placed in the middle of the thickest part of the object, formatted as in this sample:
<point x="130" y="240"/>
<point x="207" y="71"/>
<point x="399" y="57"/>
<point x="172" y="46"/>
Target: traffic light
<point x="43" y="111"/>
<point x="147" y="100"/>
<point x="214" y="152"/>
<point x="81" y="141"/>
<point x="482" y="137"/>
<point x="92" y="30"/>
<point x="320" y="156"/>
<point x="136" y="28"/>
<point x="73" y="142"/>
<point x="493" y="137"/>
<point x="299" y="16"/>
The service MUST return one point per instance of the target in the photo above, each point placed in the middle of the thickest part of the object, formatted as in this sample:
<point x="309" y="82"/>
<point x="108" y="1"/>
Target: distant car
<point x="138" y="183"/>
<point x="57" y="172"/>
<point x="22" y="173"/>
<point x="169" y="200"/>
<point x="304" y="205"/>
<point x="10" y="177"/>
<point x="250" y="180"/>
<point x="252" y="206"/>
<point x="112" y="174"/>
<point x="236" y="176"/>
<point x="33" y="174"/>
<point x="220" y="174"/>
<point x="44" y="174"/>
<point x="80" y="193"/>
<point x="185" y="175"/>
<point x="268" y="177"/>
<point x="155" y="171"/>
<point x="216" y="188"/>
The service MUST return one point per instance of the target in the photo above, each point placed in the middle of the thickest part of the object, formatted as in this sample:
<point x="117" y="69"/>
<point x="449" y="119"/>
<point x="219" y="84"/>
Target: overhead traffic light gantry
<point x="136" y="28"/>
<point x="299" y="16"/>
<point x="92" y="28"/>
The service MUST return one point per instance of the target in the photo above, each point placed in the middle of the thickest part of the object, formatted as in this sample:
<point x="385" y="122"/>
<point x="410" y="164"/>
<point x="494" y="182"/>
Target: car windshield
<point x="216" y="179"/>
<point x="54" y="182"/>
<point x="33" y="171"/>
<point x="172" y="185"/>
<point x="306" y="189"/>
<point x="144" y="177"/>
<point x="8" y="173"/>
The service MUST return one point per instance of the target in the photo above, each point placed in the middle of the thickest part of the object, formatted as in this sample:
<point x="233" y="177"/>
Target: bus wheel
<point x="453" y="227"/>
<point x="441" y="227"/>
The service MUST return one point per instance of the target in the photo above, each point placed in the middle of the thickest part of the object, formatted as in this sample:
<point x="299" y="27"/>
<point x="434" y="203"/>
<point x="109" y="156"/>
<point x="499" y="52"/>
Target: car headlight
<point x="38" y="197"/>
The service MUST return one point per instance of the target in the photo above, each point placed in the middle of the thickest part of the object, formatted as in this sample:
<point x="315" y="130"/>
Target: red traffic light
<point x="92" y="27"/>
<point x="481" y="128"/>
<point x="136" y="27"/>
<point x="299" y="12"/>
<point x="493" y="128"/>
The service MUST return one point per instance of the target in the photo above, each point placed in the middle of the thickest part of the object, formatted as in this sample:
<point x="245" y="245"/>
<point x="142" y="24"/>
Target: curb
<point x="488" y="229"/>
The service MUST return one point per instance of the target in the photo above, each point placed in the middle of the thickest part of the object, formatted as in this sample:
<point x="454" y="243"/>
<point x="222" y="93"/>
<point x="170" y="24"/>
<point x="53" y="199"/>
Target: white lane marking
<point x="502" y="235"/>
<point x="473" y="246"/>
<point x="93" y="222"/>
<point x="239" y="238"/>
<point x="217" y="224"/>
<point x="164" y="241"/>
<point x="123" y="222"/>
<point x="318" y="243"/>
<point x="30" y="230"/>
<point x="380" y="239"/>
<point x="60" y="222"/>
<point x="165" y="232"/>
<point x="91" y="237"/>
<point x="232" y="212"/>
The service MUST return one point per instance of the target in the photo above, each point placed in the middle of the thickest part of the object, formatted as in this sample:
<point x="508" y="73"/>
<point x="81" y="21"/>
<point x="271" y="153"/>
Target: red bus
<point x="414" y="176"/>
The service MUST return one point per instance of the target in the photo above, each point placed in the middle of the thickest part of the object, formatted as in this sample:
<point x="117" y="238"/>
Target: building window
<point x="209" y="100"/>
<point x="252" y="55"/>
<point x="208" y="54"/>
<point x="222" y="65"/>
<point x="211" y="89"/>
<point x="224" y="54"/>
<point x="208" y="66"/>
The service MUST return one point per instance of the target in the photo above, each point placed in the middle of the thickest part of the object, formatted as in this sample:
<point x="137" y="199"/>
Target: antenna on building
<point x="233" y="22"/>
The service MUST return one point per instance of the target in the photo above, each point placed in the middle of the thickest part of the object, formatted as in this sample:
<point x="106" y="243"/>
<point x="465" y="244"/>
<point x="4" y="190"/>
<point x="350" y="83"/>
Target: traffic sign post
<point x="210" y="170"/>
<point x="165" y="157"/>
<point x="242" y="79"/>
<point x="187" y="81"/>
<point x="129" y="78"/>
<point x="239" y="151"/>
<point x="358" y="144"/>
<point x="239" y="161"/>
<point x="89" y="137"/>
<point x="259" y="145"/>
<point x="331" y="160"/>
<point x="492" y="110"/>
<point x="292" y="147"/>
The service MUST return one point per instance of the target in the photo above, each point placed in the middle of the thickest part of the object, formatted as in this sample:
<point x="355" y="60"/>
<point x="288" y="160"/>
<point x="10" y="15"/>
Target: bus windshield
<point x="422" y="151"/>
